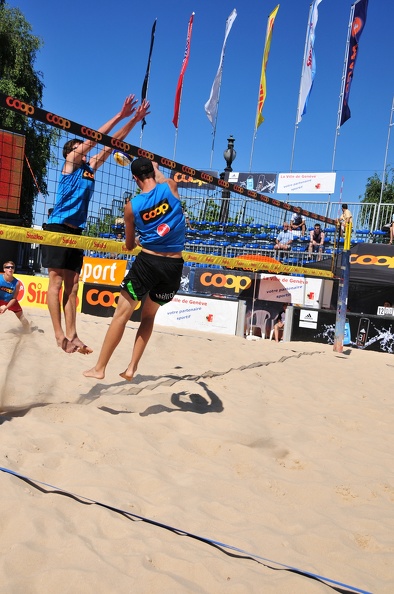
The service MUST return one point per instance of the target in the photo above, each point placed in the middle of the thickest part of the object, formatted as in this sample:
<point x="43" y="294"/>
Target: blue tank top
<point x="73" y="196"/>
<point x="7" y="289"/>
<point x="159" y="220"/>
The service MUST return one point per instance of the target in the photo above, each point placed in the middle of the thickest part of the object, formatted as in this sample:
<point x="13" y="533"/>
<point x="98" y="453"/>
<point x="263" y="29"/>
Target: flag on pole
<point x="309" y="64"/>
<point x="263" y="84"/>
<point x="211" y="106"/>
<point x="357" y="27"/>
<point x="146" y="79"/>
<point x="178" y="92"/>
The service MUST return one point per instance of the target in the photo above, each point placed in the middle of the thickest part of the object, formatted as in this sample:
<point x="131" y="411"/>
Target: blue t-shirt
<point x="7" y="289"/>
<point x="159" y="220"/>
<point x="73" y="196"/>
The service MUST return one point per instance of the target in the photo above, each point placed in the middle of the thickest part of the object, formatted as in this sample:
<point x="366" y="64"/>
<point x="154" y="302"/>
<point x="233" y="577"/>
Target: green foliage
<point x="372" y="193"/>
<point x="374" y="188"/>
<point x="102" y="225"/>
<point x="18" y="78"/>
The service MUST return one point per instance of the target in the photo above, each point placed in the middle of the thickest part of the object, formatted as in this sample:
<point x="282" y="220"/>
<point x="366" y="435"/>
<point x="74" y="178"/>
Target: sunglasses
<point x="9" y="267"/>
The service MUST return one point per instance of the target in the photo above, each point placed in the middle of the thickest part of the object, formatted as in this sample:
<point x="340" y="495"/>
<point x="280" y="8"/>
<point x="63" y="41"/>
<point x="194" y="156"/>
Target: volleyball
<point x="122" y="159"/>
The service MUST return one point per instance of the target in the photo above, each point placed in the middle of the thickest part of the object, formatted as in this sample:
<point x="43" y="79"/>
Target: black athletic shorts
<point x="159" y="276"/>
<point x="62" y="257"/>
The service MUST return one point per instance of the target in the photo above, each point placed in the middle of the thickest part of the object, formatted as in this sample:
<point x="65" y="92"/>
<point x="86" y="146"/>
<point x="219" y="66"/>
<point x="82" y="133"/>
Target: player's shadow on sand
<point x="195" y="403"/>
<point x="13" y="412"/>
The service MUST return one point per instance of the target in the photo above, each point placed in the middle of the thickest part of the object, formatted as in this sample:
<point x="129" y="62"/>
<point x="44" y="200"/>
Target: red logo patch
<point x="21" y="291"/>
<point x="163" y="229"/>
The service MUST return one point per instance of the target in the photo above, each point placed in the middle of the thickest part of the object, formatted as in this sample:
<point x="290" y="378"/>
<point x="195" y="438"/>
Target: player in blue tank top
<point x="74" y="192"/>
<point x="156" y="216"/>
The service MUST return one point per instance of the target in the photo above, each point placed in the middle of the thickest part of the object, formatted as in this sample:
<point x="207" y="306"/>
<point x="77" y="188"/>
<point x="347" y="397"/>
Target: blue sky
<point x="95" y="53"/>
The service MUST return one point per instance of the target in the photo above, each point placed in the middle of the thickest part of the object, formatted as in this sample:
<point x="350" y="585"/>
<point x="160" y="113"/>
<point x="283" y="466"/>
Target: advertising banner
<point x="258" y="182"/>
<point x="186" y="180"/>
<point x="306" y="183"/>
<point x="102" y="300"/>
<point x="221" y="282"/>
<point x="290" y="289"/>
<point x="198" y="313"/>
<point x="103" y="271"/>
<point x="34" y="291"/>
<point x="374" y="333"/>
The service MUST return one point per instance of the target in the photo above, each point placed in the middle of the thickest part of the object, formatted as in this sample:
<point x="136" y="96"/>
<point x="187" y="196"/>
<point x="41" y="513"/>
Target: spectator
<point x="187" y="219"/>
<point x="280" y="323"/>
<point x="317" y="241"/>
<point x="345" y="218"/>
<point x="297" y="224"/>
<point x="284" y="239"/>
<point x="392" y="231"/>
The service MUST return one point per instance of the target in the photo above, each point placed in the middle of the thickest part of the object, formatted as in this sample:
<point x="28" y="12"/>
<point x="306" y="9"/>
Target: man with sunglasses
<point x="69" y="215"/>
<point x="9" y="289"/>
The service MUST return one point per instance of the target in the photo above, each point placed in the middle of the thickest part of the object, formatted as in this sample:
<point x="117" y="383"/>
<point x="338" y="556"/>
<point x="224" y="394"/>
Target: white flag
<point x="211" y="106"/>
<point x="309" y="65"/>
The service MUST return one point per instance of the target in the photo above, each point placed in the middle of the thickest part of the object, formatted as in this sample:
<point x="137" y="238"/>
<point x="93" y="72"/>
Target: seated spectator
<point x="345" y="218"/>
<point x="316" y="241"/>
<point x="297" y="224"/>
<point x="280" y="323"/>
<point x="392" y="231"/>
<point x="284" y="239"/>
<point x="187" y="218"/>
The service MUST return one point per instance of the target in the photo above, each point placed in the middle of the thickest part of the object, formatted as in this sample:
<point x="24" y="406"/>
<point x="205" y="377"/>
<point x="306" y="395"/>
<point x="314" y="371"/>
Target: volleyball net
<point x="230" y="225"/>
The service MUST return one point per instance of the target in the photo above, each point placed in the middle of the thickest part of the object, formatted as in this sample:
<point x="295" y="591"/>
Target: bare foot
<point x="80" y="347"/>
<point x="67" y="345"/>
<point x="126" y="376"/>
<point x="94" y="373"/>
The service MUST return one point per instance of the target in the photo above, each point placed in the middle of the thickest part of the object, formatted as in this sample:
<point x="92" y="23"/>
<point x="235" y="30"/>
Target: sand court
<point x="280" y="450"/>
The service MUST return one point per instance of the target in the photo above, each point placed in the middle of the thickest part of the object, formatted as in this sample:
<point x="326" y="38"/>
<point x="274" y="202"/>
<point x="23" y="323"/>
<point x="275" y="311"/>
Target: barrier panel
<point x="362" y="331"/>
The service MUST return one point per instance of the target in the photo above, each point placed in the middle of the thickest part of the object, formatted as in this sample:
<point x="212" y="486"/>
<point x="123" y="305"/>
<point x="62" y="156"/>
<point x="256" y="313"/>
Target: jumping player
<point x="156" y="214"/>
<point x="69" y="215"/>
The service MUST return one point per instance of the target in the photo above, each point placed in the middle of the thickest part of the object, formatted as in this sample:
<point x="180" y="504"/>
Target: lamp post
<point x="229" y="156"/>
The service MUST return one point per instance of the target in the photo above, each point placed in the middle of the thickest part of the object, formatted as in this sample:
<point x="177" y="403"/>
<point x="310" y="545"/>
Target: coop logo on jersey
<point x="157" y="211"/>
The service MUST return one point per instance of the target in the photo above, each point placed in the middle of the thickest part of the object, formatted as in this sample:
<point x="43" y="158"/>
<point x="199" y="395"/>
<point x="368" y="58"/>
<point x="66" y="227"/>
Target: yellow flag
<point x="263" y="85"/>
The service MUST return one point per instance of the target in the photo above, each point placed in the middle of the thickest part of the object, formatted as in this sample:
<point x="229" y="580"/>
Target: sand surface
<point x="284" y="451"/>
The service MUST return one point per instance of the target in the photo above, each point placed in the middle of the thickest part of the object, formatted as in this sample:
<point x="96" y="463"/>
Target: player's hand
<point x="128" y="106"/>
<point x="142" y="110"/>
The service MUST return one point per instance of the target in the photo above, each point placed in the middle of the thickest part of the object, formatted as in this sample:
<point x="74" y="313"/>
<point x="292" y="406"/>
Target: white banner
<point x="306" y="183"/>
<point x="290" y="289"/>
<point x="198" y="313"/>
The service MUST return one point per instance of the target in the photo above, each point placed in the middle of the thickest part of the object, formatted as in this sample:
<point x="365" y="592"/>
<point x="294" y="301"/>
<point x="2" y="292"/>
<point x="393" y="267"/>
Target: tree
<point x="18" y="78"/>
<point x="373" y="195"/>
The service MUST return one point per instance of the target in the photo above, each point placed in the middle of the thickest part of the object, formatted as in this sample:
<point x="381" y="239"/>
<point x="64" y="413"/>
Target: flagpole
<point x="175" y="141"/>
<point x="252" y="150"/>
<point x="343" y="82"/>
<point x="376" y="221"/>
<point x="299" y="91"/>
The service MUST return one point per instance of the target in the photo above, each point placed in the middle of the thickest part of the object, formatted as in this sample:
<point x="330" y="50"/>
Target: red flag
<point x="178" y="92"/>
